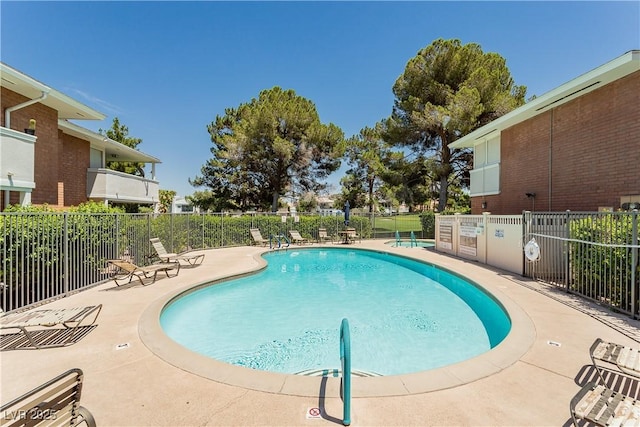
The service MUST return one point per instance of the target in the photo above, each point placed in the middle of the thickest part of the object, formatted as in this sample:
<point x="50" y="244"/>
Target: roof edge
<point x="9" y="74"/>
<point x="124" y="152"/>
<point x="609" y="72"/>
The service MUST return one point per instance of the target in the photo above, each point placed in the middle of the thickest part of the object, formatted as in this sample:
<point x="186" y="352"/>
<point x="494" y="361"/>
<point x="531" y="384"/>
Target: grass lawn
<point x="400" y="223"/>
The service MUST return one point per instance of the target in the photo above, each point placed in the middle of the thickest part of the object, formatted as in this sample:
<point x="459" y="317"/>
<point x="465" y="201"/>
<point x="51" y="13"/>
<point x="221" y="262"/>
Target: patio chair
<point x="54" y="403"/>
<point x="351" y="235"/>
<point x="297" y="238"/>
<point x="625" y="359"/>
<point x="257" y="237"/>
<point x="127" y="271"/>
<point x="323" y="236"/>
<point x="69" y="318"/>
<point x="602" y="406"/>
<point x="164" y="256"/>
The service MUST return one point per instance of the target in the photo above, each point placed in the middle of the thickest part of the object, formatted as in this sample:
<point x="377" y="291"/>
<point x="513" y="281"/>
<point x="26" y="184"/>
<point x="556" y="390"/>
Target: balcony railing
<point x="16" y="160"/>
<point x="107" y="184"/>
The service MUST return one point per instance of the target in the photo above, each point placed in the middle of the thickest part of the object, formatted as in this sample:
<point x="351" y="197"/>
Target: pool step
<point x="336" y="373"/>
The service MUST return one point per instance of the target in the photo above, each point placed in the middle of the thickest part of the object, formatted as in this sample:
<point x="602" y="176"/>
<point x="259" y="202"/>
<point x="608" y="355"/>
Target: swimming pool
<point x="410" y="244"/>
<point x="405" y="315"/>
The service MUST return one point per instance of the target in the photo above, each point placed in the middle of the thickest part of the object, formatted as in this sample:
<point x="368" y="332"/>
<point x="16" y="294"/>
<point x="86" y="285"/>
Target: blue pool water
<point x="405" y="316"/>
<point x="409" y="244"/>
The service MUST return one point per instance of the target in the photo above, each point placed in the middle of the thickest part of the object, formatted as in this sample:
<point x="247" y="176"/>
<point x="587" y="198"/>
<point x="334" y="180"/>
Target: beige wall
<point x="494" y="240"/>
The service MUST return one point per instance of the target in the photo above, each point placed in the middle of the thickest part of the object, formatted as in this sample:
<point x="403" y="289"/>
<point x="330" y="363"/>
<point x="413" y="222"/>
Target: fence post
<point x="525" y="235"/>
<point x="188" y="231"/>
<point x="567" y="273"/>
<point x="172" y="233"/>
<point x="149" y="237"/>
<point x="222" y="229"/>
<point x="635" y="283"/>
<point x="117" y="249"/>
<point x="66" y="253"/>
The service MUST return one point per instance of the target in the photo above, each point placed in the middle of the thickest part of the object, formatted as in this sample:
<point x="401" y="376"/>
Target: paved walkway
<point x="126" y="384"/>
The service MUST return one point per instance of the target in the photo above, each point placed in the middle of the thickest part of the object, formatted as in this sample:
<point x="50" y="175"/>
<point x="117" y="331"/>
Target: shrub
<point x="602" y="270"/>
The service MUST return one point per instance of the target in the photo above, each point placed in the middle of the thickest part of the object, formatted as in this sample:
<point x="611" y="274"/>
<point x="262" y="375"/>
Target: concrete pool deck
<point x="129" y="385"/>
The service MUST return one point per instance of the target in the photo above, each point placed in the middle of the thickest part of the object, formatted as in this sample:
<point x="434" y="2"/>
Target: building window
<point x="485" y="176"/>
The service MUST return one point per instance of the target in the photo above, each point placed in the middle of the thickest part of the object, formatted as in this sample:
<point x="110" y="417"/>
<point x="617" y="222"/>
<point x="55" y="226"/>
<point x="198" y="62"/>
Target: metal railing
<point x="48" y="255"/>
<point x="345" y="360"/>
<point x="592" y="254"/>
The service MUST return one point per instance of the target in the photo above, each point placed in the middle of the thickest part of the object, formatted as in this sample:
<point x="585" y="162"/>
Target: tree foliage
<point x="308" y="202"/>
<point x="207" y="201"/>
<point x="446" y="91"/>
<point x="367" y="154"/>
<point x="120" y="133"/>
<point x="409" y="181"/>
<point x="268" y="147"/>
<point x="166" y="200"/>
<point x="352" y="190"/>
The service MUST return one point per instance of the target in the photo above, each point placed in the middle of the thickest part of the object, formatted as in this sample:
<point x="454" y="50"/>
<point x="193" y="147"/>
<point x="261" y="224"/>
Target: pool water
<point x="405" y="316"/>
<point x="409" y="244"/>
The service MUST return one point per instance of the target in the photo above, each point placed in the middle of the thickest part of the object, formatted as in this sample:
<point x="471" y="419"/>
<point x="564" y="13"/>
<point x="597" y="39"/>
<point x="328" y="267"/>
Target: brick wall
<point x="74" y="161"/>
<point x="53" y="165"/>
<point x="582" y="155"/>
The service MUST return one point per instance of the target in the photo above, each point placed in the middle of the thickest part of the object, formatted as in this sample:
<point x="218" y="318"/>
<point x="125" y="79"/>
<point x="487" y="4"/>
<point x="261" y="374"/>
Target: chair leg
<point x="86" y="417"/>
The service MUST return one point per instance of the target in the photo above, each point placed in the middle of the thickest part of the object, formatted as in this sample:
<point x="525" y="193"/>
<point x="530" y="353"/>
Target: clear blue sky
<point x="166" y="69"/>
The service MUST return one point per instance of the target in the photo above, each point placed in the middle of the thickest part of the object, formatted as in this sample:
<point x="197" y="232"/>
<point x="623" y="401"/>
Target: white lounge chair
<point x="127" y="271"/>
<point x="604" y="407"/>
<point x="257" y="237"/>
<point x="69" y="318"/>
<point x="626" y="359"/>
<point x="297" y="238"/>
<point x="171" y="257"/>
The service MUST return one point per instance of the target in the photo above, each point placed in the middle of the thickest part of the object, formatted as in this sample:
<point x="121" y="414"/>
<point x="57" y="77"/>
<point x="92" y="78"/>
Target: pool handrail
<point x="413" y="239"/>
<point x="398" y="240"/>
<point x="277" y="238"/>
<point x="345" y="359"/>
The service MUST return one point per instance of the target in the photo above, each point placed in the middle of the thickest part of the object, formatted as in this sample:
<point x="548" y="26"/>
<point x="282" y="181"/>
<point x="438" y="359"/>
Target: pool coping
<point x="518" y="342"/>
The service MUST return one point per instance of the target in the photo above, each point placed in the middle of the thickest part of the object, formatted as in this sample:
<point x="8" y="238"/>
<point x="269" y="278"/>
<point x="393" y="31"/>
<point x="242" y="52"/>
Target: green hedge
<point x="428" y="220"/>
<point x="603" y="272"/>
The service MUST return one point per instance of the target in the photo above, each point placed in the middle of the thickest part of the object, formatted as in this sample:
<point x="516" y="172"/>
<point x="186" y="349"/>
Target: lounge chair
<point x="297" y="238"/>
<point x="127" y="271"/>
<point x="626" y="359"/>
<point x="323" y="236"/>
<point x="602" y="406"/>
<point x="54" y="403"/>
<point x="171" y="257"/>
<point x="257" y="237"/>
<point x="69" y="318"/>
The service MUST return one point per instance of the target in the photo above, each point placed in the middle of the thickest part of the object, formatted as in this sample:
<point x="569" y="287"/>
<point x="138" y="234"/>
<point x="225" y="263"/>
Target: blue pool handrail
<point x="413" y="240"/>
<point x="345" y="359"/>
<point x="273" y="239"/>
<point x="398" y="241"/>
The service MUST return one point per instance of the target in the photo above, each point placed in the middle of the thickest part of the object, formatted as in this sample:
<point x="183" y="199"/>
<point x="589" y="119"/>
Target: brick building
<point x="45" y="158"/>
<point x="575" y="148"/>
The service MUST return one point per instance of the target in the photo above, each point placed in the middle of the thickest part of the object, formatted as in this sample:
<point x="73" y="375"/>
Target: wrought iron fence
<point x="46" y="255"/>
<point x="593" y="254"/>
<point x="49" y="255"/>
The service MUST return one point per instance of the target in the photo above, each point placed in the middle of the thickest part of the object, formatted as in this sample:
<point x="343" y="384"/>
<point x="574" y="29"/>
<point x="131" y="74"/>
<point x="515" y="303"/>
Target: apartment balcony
<point x="113" y="186"/>
<point x="16" y="160"/>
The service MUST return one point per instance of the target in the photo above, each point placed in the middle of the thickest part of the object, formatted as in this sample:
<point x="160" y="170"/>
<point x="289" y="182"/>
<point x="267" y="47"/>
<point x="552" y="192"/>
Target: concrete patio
<point x="128" y="384"/>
